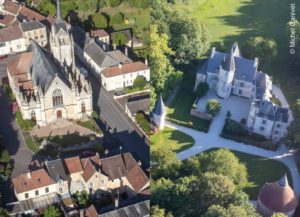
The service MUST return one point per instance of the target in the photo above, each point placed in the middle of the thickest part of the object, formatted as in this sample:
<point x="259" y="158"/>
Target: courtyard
<point x="238" y="106"/>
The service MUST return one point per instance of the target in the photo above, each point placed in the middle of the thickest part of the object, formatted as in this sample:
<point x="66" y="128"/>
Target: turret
<point x="159" y="113"/>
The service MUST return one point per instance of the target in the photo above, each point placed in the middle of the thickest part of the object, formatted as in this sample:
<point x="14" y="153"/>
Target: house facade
<point x="231" y="74"/>
<point x="123" y="75"/>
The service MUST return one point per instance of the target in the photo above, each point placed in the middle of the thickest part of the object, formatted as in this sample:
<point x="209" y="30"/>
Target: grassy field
<point x="260" y="171"/>
<point x="171" y="139"/>
<point x="236" y="20"/>
<point x="180" y="108"/>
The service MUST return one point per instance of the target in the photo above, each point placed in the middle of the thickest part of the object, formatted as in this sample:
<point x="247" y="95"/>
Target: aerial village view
<point x="138" y="108"/>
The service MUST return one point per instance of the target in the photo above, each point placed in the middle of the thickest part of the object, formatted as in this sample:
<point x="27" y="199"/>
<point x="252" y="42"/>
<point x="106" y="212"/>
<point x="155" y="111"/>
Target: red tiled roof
<point x="10" y="33"/>
<point x="278" y="198"/>
<point x="31" y="15"/>
<point x="73" y="165"/>
<point x="11" y="7"/>
<point x="20" y="64"/>
<point x="91" y="212"/>
<point x="88" y="170"/>
<point x="124" y="69"/>
<point x="99" y="33"/>
<point x="137" y="178"/>
<point x="7" y="20"/>
<point x="38" y="179"/>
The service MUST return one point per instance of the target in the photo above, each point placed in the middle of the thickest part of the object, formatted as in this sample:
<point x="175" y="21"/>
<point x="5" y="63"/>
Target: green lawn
<point x="171" y="139"/>
<point x="90" y="124"/>
<point x="260" y="171"/>
<point x="179" y="110"/>
<point x="30" y="143"/>
<point x="25" y="125"/>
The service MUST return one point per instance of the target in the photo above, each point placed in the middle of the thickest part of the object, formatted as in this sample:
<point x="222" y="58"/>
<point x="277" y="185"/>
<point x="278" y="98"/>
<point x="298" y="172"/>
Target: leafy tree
<point x="4" y="212"/>
<point x="81" y="199"/>
<point x="99" y="20"/>
<point x="298" y="104"/>
<point x="224" y="162"/>
<point x="52" y="211"/>
<point x="295" y="57"/>
<point x="47" y="7"/>
<point x="188" y="39"/>
<point x="5" y="157"/>
<point x="279" y="215"/>
<point x="232" y="211"/>
<point x="264" y="49"/>
<point x="117" y="19"/>
<point x="159" y="61"/>
<point x="213" y="106"/>
<point x="191" y="167"/>
<point x="202" y="89"/>
<point x="159" y="212"/>
<point x="164" y="163"/>
<point x="139" y="82"/>
<point x="119" y="38"/>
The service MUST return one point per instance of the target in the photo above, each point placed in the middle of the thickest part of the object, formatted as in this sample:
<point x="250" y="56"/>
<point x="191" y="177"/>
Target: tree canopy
<point x="52" y="211"/>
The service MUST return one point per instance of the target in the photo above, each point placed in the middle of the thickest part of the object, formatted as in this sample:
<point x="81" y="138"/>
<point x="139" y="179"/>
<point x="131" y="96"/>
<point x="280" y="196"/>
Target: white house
<point x="123" y="75"/>
<point x="11" y="40"/>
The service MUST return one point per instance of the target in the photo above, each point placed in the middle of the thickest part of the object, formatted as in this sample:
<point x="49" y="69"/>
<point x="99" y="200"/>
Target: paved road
<point x="118" y="121"/>
<point x="206" y="141"/>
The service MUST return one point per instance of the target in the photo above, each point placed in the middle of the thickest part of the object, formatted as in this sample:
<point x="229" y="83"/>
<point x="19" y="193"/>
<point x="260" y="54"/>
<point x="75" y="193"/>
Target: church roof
<point x="42" y="69"/>
<point x="278" y="196"/>
<point x="29" y="26"/>
<point x="159" y="108"/>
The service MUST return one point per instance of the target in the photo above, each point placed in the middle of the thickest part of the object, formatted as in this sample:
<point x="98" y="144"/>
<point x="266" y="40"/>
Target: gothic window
<point x="57" y="98"/>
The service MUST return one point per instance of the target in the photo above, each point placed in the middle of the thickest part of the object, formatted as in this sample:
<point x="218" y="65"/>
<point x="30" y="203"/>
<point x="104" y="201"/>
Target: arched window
<point x="83" y="107"/>
<point x="57" y="98"/>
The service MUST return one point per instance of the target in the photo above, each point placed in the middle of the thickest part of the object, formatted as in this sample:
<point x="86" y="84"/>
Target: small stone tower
<point x="159" y="113"/>
<point x="226" y="76"/>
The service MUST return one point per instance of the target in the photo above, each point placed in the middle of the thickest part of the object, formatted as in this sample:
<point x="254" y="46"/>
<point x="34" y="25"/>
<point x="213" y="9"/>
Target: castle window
<point x="57" y="98"/>
<point x="262" y="129"/>
<point x="264" y="122"/>
<point x="240" y="92"/>
<point x="242" y="84"/>
<point x="26" y="195"/>
<point x="278" y="126"/>
<point x="276" y="132"/>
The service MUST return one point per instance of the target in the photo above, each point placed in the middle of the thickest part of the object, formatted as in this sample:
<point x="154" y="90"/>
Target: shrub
<point x="143" y="122"/>
<point x="117" y="19"/>
<point x="119" y="39"/>
<point x="213" y="106"/>
<point x="202" y="89"/>
<point x="95" y="115"/>
<point x="234" y="128"/>
<point x="9" y="93"/>
<point x="99" y="20"/>
<point x="139" y="82"/>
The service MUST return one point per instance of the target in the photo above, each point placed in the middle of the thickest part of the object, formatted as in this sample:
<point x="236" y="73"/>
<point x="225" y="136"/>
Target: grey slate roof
<point x="79" y="36"/>
<point x="159" y="108"/>
<point x="98" y="55"/>
<point x="260" y="83"/>
<point x="29" y="26"/>
<point x="141" y="209"/>
<point x="42" y="69"/>
<point x="215" y="62"/>
<point x="244" y="68"/>
<point x="119" y="56"/>
<point x="56" y="169"/>
<point x="272" y="112"/>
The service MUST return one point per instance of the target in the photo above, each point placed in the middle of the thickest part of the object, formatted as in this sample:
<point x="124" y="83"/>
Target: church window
<point x="57" y="98"/>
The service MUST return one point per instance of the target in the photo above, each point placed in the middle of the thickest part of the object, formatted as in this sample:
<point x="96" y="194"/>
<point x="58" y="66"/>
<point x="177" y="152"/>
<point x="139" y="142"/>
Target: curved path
<point x="206" y="141"/>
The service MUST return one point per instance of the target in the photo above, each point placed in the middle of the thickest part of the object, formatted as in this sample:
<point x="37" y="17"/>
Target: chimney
<point x="114" y="46"/>
<point x="28" y="175"/>
<point x="146" y="62"/>
<point x="103" y="46"/>
<point x="117" y="200"/>
<point x="139" y="163"/>
<point x="120" y="65"/>
<point x="126" y="51"/>
<point x="213" y="50"/>
<point x="106" y="151"/>
<point x="255" y="62"/>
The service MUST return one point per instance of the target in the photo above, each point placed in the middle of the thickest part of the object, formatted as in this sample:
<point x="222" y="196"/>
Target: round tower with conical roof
<point x="277" y="197"/>
<point x="159" y="113"/>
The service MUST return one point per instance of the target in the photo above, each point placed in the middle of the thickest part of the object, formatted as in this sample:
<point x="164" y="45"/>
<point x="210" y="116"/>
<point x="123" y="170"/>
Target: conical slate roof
<point x="58" y="12"/>
<point x="278" y="196"/>
<point x="159" y="108"/>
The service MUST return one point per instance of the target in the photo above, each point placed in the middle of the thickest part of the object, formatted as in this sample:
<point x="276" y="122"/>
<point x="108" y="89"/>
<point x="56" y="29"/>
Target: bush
<point x="202" y="89"/>
<point x="213" y="106"/>
<point x="9" y="93"/>
<point x="234" y="128"/>
<point x="139" y="3"/>
<point x="25" y="125"/>
<point x="119" y="39"/>
<point x="143" y="122"/>
<point x="139" y="82"/>
<point x="99" y="20"/>
<point x="117" y="19"/>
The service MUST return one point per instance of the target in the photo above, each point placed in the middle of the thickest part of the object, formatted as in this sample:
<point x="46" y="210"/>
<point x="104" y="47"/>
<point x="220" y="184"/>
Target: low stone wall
<point x="203" y="115"/>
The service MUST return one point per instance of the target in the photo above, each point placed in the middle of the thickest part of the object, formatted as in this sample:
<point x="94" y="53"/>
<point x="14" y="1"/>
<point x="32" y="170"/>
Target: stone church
<point x="48" y="85"/>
